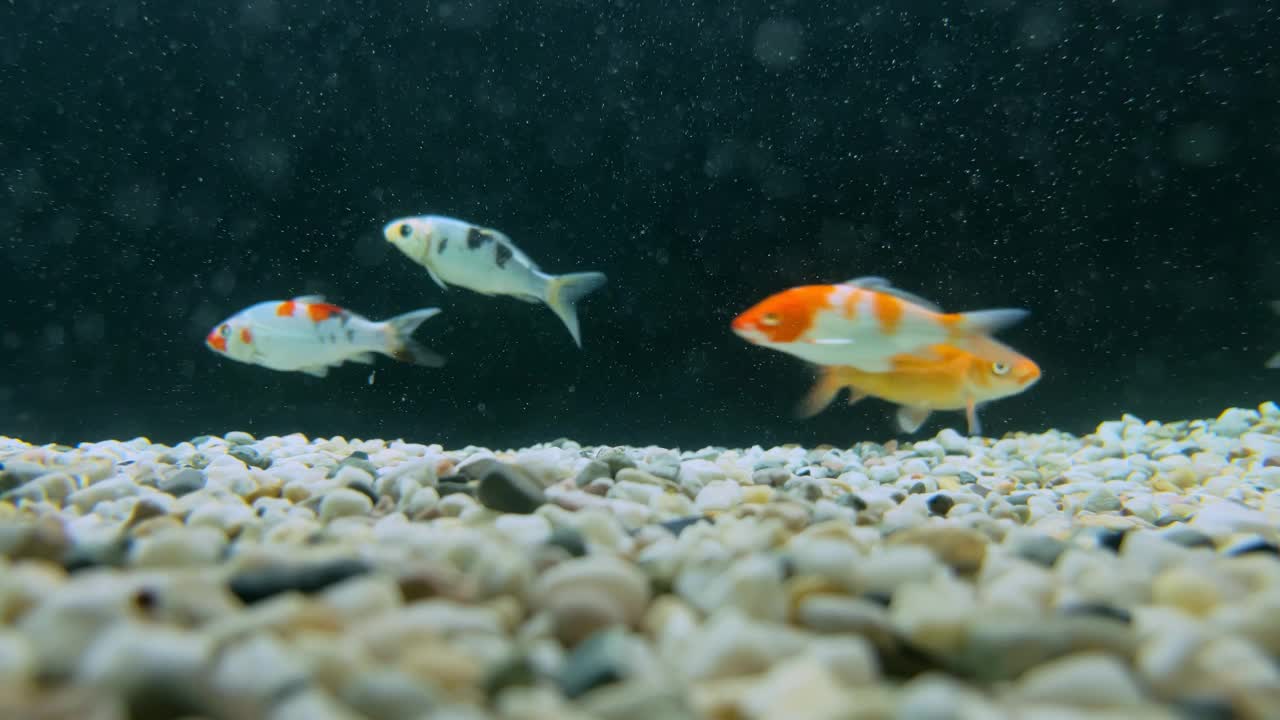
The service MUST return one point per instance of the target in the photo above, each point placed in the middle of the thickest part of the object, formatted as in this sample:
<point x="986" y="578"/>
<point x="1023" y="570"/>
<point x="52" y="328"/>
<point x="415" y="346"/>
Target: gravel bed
<point x="1130" y="573"/>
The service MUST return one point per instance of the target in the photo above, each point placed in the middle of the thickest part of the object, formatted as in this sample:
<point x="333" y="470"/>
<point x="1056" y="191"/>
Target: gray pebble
<point x="772" y="476"/>
<point x="249" y="456"/>
<point x="597" y="661"/>
<point x="259" y="583"/>
<point x="593" y="470"/>
<point x="507" y="488"/>
<point x="387" y="694"/>
<point x="183" y="482"/>
<point x="1041" y="549"/>
<point x="616" y="460"/>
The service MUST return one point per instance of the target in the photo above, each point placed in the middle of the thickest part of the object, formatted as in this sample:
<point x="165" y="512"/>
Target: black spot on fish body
<point x="351" y="335"/>
<point x="444" y="241"/>
<point x="477" y="237"/>
<point x="502" y="254"/>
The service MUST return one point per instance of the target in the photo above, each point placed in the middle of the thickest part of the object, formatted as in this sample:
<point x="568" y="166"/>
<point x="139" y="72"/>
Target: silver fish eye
<point x="405" y="230"/>
<point x="224" y="331"/>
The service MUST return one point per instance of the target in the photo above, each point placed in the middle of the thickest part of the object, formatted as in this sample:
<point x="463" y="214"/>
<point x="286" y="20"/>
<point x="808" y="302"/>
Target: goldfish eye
<point x="1000" y="368"/>
<point x="405" y="230"/>
<point x="224" y="331"/>
<point x="770" y="320"/>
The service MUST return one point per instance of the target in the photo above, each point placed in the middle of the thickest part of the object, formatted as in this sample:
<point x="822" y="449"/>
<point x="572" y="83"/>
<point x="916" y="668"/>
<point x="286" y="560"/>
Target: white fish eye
<point x="770" y="320"/>
<point x="1000" y="368"/>
<point x="224" y="331"/>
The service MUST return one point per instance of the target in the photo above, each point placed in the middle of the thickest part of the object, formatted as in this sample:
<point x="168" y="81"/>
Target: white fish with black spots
<point x="309" y="335"/>
<point x="456" y="252"/>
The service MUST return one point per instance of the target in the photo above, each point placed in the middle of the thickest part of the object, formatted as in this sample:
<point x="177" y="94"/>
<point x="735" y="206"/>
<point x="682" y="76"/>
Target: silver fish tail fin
<point x="401" y="344"/>
<point x="1274" y="362"/>
<point x="564" y="292"/>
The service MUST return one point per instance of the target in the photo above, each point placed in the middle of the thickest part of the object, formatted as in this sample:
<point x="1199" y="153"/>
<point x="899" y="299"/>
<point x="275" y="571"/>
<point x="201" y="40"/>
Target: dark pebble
<point x="200" y="440"/>
<point x="1165" y="521"/>
<point x="967" y="478"/>
<point x="918" y="488"/>
<point x="853" y="501"/>
<point x="257" y="584"/>
<point x="569" y="539"/>
<point x="508" y="489"/>
<point x="514" y="672"/>
<point x="1095" y="609"/>
<point x="1250" y="547"/>
<point x="186" y="480"/>
<point x="771" y="476"/>
<point x="594" y="663"/>
<point x="1204" y="708"/>
<point x="1111" y="539"/>
<point x="455" y="484"/>
<point x="940" y="504"/>
<point x="678" y="525"/>
<point x="593" y="470"/>
<point x="880" y="598"/>
<point x="250" y="457"/>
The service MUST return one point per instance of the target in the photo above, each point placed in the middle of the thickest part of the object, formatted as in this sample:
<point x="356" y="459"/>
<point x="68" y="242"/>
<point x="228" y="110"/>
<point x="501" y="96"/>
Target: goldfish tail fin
<point x="564" y="292"/>
<point x="910" y="419"/>
<point x="990" y="322"/>
<point x="824" y="390"/>
<point x="403" y="347"/>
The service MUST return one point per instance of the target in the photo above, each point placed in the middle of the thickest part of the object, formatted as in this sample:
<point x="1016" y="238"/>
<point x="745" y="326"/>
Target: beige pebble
<point x="344" y="502"/>
<point x="1094" y="680"/>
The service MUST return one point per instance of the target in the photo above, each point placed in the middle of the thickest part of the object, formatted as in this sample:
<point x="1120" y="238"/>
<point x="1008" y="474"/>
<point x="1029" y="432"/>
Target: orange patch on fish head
<point x="246" y="336"/>
<point x="782" y="317"/>
<point x="217" y="338"/>
<point x="286" y="308"/>
<point x="322" y="311"/>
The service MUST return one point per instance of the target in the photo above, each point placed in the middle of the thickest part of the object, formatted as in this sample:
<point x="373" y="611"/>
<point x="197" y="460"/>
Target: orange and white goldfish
<point x="485" y="260"/>
<point x="863" y="323"/>
<point x="310" y="335"/>
<point x="1274" y="361"/>
<point x="956" y="380"/>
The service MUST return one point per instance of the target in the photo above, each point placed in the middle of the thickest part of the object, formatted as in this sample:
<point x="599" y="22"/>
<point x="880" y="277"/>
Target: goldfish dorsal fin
<point x="882" y="285"/>
<point x="309" y="299"/>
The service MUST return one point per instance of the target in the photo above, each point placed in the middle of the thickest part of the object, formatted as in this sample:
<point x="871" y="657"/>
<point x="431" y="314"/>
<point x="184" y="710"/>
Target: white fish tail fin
<point x="401" y="344"/>
<point x="1275" y="306"/>
<point x="564" y="292"/>
<point x="910" y="419"/>
<point x="990" y="322"/>
<point x="1274" y="362"/>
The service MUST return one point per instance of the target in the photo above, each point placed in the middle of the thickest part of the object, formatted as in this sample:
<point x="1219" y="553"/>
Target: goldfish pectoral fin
<point x="989" y="322"/>
<point x="911" y="418"/>
<point x="824" y="390"/>
<point x="1274" y="362"/>
<point x="316" y="370"/>
<point x="971" y="414"/>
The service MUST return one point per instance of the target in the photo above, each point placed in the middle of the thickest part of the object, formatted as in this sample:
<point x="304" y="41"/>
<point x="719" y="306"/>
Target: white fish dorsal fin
<point x="911" y="418"/>
<point x="882" y="285"/>
<point x="308" y="299"/>
<point x="1275" y="306"/>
